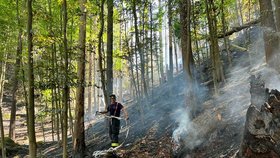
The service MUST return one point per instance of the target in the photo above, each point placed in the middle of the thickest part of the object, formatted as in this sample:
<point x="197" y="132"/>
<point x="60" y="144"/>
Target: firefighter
<point x="115" y="109"/>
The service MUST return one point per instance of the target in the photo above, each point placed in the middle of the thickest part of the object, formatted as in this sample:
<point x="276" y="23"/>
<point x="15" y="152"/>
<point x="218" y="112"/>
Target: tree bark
<point x="66" y="90"/>
<point x="224" y="32"/>
<point x="52" y="72"/>
<point x="262" y="133"/>
<point x="100" y="58"/>
<point x="31" y="113"/>
<point x="151" y="47"/>
<point x="2" y="83"/>
<point x="160" y="45"/>
<point x="79" y="133"/>
<point x="176" y="54"/>
<point x="170" y="40"/>
<point x="217" y="69"/>
<point x="239" y="6"/>
<point x="12" y="133"/>
<point x="90" y="56"/>
<point x="271" y="41"/>
<point x="131" y="67"/>
<point x="185" y="14"/>
<point x="56" y="95"/>
<point x="109" y="69"/>
<point x="139" y="48"/>
<point x="277" y="14"/>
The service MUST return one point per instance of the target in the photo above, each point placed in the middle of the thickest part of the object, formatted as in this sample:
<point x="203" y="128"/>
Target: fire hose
<point x="99" y="153"/>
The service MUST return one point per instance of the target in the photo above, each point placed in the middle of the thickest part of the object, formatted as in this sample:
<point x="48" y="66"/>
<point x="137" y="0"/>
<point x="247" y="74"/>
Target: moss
<point x="9" y="143"/>
<point x="11" y="146"/>
<point x="40" y="143"/>
<point x="6" y="116"/>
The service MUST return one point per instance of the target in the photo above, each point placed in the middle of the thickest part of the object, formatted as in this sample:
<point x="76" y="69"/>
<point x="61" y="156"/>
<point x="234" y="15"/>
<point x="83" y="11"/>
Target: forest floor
<point x="216" y="131"/>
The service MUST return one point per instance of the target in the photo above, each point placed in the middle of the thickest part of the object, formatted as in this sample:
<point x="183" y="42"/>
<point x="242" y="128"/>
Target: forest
<point x="140" y="78"/>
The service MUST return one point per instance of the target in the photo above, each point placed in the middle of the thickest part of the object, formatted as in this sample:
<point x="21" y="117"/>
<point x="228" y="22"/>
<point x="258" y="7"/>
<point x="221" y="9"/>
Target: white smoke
<point x="186" y="130"/>
<point x="232" y="102"/>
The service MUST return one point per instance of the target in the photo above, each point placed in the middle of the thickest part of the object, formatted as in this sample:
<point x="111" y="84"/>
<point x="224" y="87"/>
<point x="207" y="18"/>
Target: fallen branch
<point x="236" y="47"/>
<point x="237" y="29"/>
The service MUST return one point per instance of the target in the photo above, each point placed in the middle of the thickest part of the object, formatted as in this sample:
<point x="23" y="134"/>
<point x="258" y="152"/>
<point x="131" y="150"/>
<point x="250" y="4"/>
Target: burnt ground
<point x="216" y="130"/>
<point x="218" y="125"/>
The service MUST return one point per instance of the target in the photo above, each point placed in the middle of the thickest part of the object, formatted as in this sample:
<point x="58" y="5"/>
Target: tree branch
<point x="237" y="29"/>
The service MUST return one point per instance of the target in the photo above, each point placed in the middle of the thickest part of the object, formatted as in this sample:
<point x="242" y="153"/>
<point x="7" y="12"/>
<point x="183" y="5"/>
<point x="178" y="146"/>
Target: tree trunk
<point x="139" y="48"/>
<point x="170" y="40"/>
<point x="218" y="75"/>
<point x="240" y="11"/>
<point x="138" y="91"/>
<point x="79" y="133"/>
<point x="151" y="47"/>
<point x="2" y="83"/>
<point x="262" y="133"/>
<point x="25" y="93"/>
<point x="100" y="57"/>
<point x="188" y="61"/>
<point x="131" y="67"/>
<point x="271" y="41"/>
<point x="120" y="78"/>
<point x="160" y="45"/>
<point x="90" y="84"/>
<point x="95" y="105"/>
<point x="176" y="54"/>
<point x="52" y="71"/>
<point x="71" y="118"/>
<point x="109" y="69"/>
<point x="90" y="56"/>
<point x="185" y="14"/>
<point x="12" y="133"/>
<point x="224" y="32"/>
<point x="65" y="86"/>
<point x="194" y="23"/>
<point x="277" y="14"/>
<point x="143" y="61"/>
<point x="56" y="98"/>
<point x="237" y="12"/>
<point x="31" y="115"/>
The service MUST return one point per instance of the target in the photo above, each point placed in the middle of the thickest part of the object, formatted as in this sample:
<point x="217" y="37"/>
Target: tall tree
<point x="217" y="69"/>
<point x="100" y="56"/>
<point x="185" y="16"/>
<point x="110" y="5"/>
<point x="139" y="48"/>
<point x="170" y="28"/>
<point x="151" y="45"/>
<point x="188" y="61"/>
<point x="226" y="44"/>
<point x="277" y="14"/>
<point x="90" y="56"/>
<point x="160" y="43"/>
<point x="66" y="90"/>
<point x="270" y="40"/>
<point x="12" y="134"/>
<point x="52" y="71"/>
<point x="31" y="112"/>
<point x="2" y="83"/>
<point x="79" y="133"/>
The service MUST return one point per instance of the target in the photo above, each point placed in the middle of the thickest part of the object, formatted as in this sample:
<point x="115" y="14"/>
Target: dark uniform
<point x="114" y="124"/>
